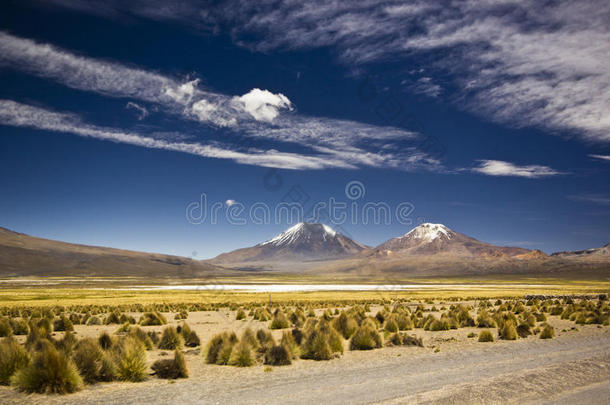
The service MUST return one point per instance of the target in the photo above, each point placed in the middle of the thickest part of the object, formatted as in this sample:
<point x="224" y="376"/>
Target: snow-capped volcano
<point x="429" y="232"/>
<point x="302" y="242"/>
<point x="302" y="232"/>
<point x="437" y="238"/>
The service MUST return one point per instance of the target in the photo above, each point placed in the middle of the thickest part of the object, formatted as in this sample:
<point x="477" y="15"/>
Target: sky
<point x="189" y="127"/>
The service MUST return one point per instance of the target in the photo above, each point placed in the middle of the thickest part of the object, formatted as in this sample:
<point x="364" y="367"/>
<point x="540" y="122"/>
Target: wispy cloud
<point x="592" y="198"/>
<point x="502" y="168"/>
<point x="21" y="115"/>
<point x="141" y="110"/>
<point x="525" y="63"/>
<point x="259" y="114"/>
<point x="601" y="157"/>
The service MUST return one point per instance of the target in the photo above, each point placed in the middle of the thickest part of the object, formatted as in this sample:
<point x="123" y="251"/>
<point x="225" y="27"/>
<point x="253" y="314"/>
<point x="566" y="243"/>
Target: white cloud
<point x="501" y="168"/>
<point x="257" y="114"/>
<point x="142" y="111"/>
<point x="21" y="115"/>
<point x="601" y="157"/>
<point x="263" y="105"/>
<point x="528" y="63"/>
<point x="230" y="202"/>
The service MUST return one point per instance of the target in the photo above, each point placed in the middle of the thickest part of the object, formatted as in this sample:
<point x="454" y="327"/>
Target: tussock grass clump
<point x="152" y="318"/>
<point x="20" y="326"/>
<point x="190" y="337"/>
<point x="12" y="358"/>
<point x="241" y="355"/>
<point x="548" y="332"/>
<point x="5" y="327"/>
<point x="139" y="334"/>
<point x="215" y="348"/>
<point x="345" y="324"/>
<point x="278" y="356"/>
<point x="113" y="318"/>
<point x="484" y="320"/>
<point x="265" y="339"/>
<point x="403" y="339"/>
<point x="131" y="360"/>
<point x="322" y="341"/>
<point x="508" y="331"/>
<point x="50" y="372"/>
<point x="88" y="357"/>
<point x="486" y="336"/>
<point x="250" y="337"/>
<point x="124" y="328"/>
<point x="171" y="368"/>
<point x="438" y="324"/>
<point x="181" y="315"/>
<point x="290" y="344"/>
<point x="391" y="325"/>
<point x="404" y="322"/>
<point x="524" y="330"/>
<point x="105" y="341"/>
<point x="280" y="321"/>
<point x="365" y="338"/>
<point x="94" y="320"/>
<point x="241" y="315"/>
<point x="170" y="339"/>
<point x="66" y="343"/>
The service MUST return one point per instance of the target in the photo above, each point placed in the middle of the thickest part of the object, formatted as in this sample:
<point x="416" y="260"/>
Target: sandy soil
<point x="574" y="367"/>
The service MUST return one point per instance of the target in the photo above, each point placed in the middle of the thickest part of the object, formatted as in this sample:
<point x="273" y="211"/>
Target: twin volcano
<point x="313" y="242"/>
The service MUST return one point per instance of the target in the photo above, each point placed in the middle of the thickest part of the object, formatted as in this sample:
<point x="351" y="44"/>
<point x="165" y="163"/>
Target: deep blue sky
<point x="546" y="193"/>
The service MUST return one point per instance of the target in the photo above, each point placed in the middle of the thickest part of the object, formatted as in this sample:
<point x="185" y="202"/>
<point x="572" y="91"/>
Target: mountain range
<point x="428" y="250"/>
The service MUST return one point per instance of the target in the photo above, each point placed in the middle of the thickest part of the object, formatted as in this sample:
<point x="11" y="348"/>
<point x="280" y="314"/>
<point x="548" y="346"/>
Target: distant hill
<point x="24" y="255"/>
<point x="316" y="250"/>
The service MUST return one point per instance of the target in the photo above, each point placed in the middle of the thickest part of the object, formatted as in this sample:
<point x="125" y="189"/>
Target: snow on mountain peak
<point x="301" y="231"/>
<point x="429" y="232"/>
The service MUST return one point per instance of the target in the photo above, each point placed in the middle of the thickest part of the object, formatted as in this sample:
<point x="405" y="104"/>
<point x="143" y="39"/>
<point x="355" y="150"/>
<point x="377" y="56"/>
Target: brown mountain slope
<point x="428" y="239"/>
<point x="302" y="242"/>
<point x="24" y="255"/>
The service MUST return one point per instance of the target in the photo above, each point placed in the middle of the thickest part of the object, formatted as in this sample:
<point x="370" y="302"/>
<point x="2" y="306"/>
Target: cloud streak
<point x="22" y="115"/>
<point x="258" y="114"/>
<point x="502" y="168"/>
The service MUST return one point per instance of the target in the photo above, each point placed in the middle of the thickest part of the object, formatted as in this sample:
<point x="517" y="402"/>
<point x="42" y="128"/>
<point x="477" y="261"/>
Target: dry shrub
<point x="170" y="339"/>
<point x="51" y="371"/>
<point x="241" y="355"/>
<point x="241" y="315"/>
<point x="105" y="341"/>
<point x="130" y="359"/>
<point x="280" y="321"/>
<point x="278" y="356"/>
<point x="152" y="318"/>
<point x="190" y="337"/>
<point x="366" y="338"/>
<point x="486" y="336"/>
<point x="508" y="331"/>
<point x="345" y="324"/>
<point x="12" y="358"/>
<point x="548" y="332"/>
<point x="171" y="368"/>
<point x="88" y="358"/>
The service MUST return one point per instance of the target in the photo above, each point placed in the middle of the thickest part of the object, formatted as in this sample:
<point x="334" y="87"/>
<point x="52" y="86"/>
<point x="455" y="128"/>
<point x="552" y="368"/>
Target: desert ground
<point x="451" y="366"/>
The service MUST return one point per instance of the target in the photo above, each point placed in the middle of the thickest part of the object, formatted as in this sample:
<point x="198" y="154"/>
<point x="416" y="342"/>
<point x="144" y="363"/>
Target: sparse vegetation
<point x="171" y="368"/>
